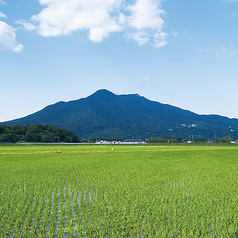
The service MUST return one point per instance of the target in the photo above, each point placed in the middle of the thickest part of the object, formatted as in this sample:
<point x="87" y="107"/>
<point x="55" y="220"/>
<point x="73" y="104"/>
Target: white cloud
<point x="141" y="21"/>
<point x="146" y="20"/>
<point x="160" y="39"/>
<point x="8" y="38"/>
<point x="99" y="17"/>
<point x="141" y="37"/>
<point x="175" y="34"/>
<point x="3" y="15"/>
<point x="146" y="14"/>
<point x="18" y="48"/>
<point x="27" y="25"/>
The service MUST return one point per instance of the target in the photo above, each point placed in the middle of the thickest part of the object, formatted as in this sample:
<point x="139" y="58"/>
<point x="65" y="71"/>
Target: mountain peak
<point x="129" y="115"/>
<point x="102" y="93"/>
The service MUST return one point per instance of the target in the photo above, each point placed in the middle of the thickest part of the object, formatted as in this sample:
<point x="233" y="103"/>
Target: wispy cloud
<point x="140" y="37"/>
<point x="221" y="50"/>
<point x="27" y="25"/>
<point x="2" y="2"/>
<point x="2" y="15"/>
<point x="8" y="38"/>
<point x="146" y="79"/>
<point x="160" y="39"/>
<point x="174" y="34"/>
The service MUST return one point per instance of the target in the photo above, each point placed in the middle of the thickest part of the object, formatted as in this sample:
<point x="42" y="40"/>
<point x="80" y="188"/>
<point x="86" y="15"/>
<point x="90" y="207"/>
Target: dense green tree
<point x="179" y="139"/>
<point x="117" y="139"/>
<point x="56" y="138"/>
<point x="226" y="139"/>
<point x="199" y="140"/>
<point x="153" y="140"/>
<point x="98" y="138"/>
<point x="36" y="133"/>
<point x="2" y="129"/>
<point x="9" y="138"/>
<point x="18" y="129"/>
<point x="45" y="139"/>
<point x="164" y="139"/>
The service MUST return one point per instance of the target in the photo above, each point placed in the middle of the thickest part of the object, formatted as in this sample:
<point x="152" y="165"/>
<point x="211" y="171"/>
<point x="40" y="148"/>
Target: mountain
<point x="108" y="115"/>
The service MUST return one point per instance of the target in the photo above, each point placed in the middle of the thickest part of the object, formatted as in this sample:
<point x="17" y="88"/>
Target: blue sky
<point x="183" y="53"/>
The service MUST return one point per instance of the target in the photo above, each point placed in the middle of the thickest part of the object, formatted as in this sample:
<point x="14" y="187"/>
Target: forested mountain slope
<point x="131" y="116"/>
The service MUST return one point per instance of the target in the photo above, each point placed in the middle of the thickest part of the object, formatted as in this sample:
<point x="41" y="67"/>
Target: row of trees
<point x="46" y="133"/>
<point x="227" y="139"/>
<point x="164" y="139"/>
<point x="167" y="139"/>
<point x="94" y="139"/>
<point x="36" y="133"/>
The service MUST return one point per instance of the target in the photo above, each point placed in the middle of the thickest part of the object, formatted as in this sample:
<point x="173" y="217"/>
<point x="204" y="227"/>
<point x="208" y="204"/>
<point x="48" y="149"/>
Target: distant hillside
<point x="108" y="115"/>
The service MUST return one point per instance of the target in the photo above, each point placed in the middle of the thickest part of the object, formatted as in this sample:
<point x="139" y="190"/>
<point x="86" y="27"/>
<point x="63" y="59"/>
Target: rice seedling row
<point x="126" y="192"/>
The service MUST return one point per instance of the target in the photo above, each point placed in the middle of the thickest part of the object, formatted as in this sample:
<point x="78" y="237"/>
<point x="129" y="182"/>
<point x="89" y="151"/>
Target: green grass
<point x="118" y="191"/>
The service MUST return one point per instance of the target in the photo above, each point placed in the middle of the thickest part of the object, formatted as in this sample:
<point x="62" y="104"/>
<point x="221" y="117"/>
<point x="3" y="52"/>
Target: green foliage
<point x="117" y="139"/>
<point x="164" y="139"/>
<point x="199" y="140"/>
<point x="45" y="139"/>
<point x="19" y="130"/>
<point x="130" y="191"/>
<point x="9" y="137"/>
<point x="2" y="129"/>
<point x="94" y="139"/>
<point x="226" y="139"/>
<point x="153" y="140"/>
<point x="36" y="133"/>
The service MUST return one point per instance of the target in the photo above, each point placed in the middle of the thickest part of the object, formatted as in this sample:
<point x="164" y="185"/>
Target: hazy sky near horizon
<point x="178" y="52"/>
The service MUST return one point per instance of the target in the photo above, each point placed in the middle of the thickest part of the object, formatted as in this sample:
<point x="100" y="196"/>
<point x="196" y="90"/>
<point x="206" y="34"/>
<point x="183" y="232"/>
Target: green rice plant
<point x="132" y="191"/>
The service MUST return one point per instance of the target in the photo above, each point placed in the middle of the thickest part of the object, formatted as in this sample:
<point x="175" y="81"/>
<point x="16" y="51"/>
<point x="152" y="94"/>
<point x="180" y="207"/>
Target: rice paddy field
<point x="118" y="191"/>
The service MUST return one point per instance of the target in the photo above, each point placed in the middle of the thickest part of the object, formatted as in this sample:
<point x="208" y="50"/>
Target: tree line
<point x="36" y="133"/>
<point x="94" y="139"/>
<point x="167" y="139"/>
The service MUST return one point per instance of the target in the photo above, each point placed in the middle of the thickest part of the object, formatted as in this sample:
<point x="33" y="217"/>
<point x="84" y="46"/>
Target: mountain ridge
<point x="104" y="113"/>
